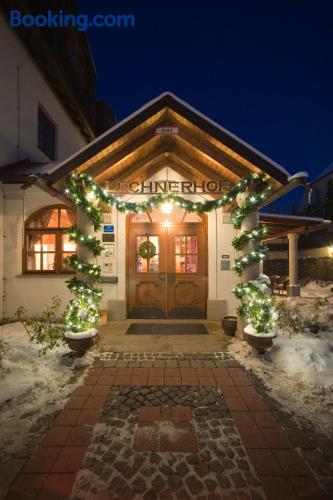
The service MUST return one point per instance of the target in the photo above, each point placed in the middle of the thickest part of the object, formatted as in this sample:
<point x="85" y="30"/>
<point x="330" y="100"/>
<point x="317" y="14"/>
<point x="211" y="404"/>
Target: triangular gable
<point x="151" y="109"/>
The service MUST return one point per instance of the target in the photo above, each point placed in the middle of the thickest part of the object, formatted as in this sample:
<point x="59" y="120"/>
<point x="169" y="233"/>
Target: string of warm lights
<point x="255" y="234"/>
<point x="257" y="304"/>
<point x="86" y="240"/>
<point x="85" y="193"/>
<point x="249" y="259"/>
<point x="83" y="267"/>
<point x="78" y="286"/>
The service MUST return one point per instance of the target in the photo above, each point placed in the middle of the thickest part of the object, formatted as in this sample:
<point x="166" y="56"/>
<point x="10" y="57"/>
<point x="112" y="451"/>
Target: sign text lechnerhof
<point x="209" y="186"/>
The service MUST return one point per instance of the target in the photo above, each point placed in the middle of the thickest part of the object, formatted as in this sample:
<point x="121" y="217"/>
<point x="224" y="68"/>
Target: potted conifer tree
<point x="261" y="314"/>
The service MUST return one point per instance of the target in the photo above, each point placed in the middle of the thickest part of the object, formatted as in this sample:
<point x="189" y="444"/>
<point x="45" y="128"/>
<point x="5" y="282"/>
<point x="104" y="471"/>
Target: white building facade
<point x="43" y="120"/>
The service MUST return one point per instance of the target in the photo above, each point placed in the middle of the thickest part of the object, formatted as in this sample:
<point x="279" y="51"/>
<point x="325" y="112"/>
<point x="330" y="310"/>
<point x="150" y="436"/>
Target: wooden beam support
<point x="133" y="160"/>
<point x="214" y="153"/>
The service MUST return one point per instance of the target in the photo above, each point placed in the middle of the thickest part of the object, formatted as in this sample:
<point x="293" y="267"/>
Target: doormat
<point x="167" y="329"/>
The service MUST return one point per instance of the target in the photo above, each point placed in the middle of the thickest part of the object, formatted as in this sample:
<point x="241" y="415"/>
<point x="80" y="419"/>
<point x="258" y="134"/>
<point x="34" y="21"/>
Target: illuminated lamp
<point x="167" y="208"/>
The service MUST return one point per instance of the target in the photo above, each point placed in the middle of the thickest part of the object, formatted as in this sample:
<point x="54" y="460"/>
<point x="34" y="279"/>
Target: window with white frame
<point x="46" y="242"/>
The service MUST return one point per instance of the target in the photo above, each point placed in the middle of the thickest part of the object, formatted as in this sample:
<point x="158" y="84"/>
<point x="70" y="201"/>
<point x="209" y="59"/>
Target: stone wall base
<point x="216" y="309"/>
<point x="117" y="310"/>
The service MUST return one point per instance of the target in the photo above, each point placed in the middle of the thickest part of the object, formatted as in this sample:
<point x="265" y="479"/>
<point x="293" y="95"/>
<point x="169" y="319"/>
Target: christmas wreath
<point x="147" y="250"/>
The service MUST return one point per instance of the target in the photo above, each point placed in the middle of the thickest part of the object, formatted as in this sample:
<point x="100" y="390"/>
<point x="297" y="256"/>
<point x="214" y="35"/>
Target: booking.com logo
<point x="81" y="22"/>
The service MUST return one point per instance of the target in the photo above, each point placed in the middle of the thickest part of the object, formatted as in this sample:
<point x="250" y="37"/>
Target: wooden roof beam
<point x="211" y="168"/>
<point x="282" y="234"/>
<point x="128" y="156"/>
<point x="117" y="171"/>
<point x="214" y="153"/>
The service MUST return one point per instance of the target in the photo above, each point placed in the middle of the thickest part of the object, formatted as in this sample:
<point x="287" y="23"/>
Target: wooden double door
<point x="172" y="284"/>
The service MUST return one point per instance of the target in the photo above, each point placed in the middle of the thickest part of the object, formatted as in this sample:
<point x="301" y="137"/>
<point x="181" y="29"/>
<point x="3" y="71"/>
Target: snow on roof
<point x="292" y="217"/>
<point x="298" y="175"/>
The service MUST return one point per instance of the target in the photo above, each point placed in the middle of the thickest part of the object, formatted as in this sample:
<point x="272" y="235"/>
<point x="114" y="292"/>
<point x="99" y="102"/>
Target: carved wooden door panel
<point x="186" y="276"/>
<point x="146" y="277"/>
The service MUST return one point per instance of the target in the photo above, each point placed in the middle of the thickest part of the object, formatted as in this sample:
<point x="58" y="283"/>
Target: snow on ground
<point x="298" y="369"/>
<point x="313" y="289"/>
<point x="32" y="388"/>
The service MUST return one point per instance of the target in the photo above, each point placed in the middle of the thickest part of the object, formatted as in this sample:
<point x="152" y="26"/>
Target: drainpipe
<point x="3" y="249"/>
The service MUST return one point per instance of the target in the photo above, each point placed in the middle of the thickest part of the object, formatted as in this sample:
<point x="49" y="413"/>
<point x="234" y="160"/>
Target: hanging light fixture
<point x="167" y="207"/>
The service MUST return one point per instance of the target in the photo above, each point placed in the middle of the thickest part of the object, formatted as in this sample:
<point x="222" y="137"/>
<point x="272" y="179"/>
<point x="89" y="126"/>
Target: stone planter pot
<point x="80" y="342"/>
<point x="229" y="325"/>
<point x="258" y="340"/>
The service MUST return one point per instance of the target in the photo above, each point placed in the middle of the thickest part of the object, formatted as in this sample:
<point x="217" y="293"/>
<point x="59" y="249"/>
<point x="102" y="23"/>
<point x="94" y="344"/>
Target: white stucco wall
<point x="33" y="90"/>
<point x="30" y="291"/>
<point x="221" y="282"/>
<point x="20" y="73"/>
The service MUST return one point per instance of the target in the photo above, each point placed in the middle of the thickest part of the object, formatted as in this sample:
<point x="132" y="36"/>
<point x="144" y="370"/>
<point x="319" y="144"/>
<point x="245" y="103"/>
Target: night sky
<point x="262" y="69"/>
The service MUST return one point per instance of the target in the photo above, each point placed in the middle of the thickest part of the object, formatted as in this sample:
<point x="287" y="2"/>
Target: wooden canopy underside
<point x="141" y="152"/>
<point x="282" y="225"/>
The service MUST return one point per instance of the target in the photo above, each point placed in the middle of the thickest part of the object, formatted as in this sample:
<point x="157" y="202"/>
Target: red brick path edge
<point x="50" y="473"/>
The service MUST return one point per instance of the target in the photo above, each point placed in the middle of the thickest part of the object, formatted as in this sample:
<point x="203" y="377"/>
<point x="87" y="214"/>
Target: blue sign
<point x="107" y="228"/>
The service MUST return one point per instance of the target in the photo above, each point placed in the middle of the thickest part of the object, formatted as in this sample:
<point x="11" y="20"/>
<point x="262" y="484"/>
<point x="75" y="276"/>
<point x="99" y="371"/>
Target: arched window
<point x="46" y="244"/>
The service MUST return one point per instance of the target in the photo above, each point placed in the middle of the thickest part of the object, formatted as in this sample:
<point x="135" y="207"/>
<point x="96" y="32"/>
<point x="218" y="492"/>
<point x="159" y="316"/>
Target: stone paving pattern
<point x="246" y="440"/>
<point x="165" y="428"/>
<point x="222" y="462"/>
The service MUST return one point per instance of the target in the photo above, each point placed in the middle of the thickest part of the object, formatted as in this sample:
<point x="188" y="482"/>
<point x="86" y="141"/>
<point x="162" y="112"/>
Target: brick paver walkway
<point x="226" y="442"/>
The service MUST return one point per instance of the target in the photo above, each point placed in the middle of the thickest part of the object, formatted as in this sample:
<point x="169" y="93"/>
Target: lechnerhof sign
<point x="209" y="186"/>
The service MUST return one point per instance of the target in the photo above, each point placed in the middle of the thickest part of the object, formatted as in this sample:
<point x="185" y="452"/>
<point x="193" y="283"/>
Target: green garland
<point x="82" y="190"/>
<point x="147" y="250"/>
<point x="83" y="267"/>
<point x="82" y="312"/>
<point x="249" y="259"/>
<point x="257" y="304"/>
<point x="81" y="187"/>
<point x="243" y="289"/>
<point x="85" y="240"/>
<point x="255" y="234"/>
<point x="77" y="286"/>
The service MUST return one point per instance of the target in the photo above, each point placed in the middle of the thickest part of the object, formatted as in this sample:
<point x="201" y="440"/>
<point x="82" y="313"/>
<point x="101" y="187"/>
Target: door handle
<point x="171" y="278"/>
<point x="162" y="276"/>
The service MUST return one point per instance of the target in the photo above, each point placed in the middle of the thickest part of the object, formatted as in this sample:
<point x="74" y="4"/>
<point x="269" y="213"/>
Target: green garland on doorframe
<point x="82" y="190"/>
<point x="257" y="307"/>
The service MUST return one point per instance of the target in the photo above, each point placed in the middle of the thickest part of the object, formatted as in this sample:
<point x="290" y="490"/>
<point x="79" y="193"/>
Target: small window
<point x="46" y="134"/>
<point x="186" y="253"/>
<point x="46" y="242"/>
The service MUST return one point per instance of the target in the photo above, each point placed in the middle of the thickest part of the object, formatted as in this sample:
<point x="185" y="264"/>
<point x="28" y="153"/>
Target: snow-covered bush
<point x="294" y="321"/>
<point x="46" y="329"/>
